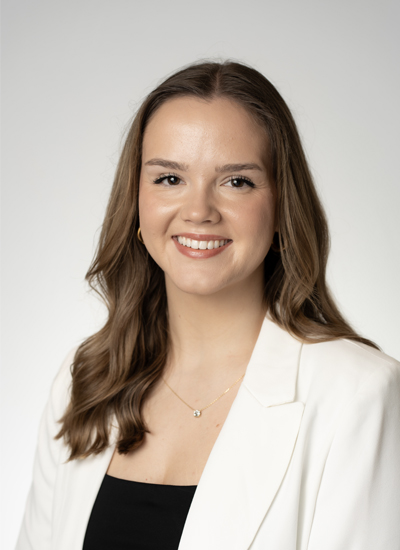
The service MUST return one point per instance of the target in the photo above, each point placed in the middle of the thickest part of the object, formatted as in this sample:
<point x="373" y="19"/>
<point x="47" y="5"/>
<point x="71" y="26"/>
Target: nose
<point x="200" y="206"/>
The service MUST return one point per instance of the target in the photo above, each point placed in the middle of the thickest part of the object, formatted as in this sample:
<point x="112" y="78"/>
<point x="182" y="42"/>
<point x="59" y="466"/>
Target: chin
<point x="199" y="286"/>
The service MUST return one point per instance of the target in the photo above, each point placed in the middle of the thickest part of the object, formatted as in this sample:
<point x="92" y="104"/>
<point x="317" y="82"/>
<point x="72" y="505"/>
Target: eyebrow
<point x="172" y="165"/>
<point x="238" y="167"/>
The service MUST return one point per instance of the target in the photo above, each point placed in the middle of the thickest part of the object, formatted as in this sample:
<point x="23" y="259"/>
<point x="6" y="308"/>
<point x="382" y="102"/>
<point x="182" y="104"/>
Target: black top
<point x="130" y="515"/>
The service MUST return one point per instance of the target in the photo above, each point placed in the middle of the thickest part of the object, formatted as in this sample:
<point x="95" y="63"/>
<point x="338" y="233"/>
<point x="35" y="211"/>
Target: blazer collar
<point x="252" y="453"/>
<point x="271" y="374"/>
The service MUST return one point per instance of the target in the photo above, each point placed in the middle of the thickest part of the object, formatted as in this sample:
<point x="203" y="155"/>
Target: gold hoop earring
<point x="139" y="236"/>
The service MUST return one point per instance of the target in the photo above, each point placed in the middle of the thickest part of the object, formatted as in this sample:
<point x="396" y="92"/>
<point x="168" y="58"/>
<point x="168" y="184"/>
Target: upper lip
<point x="202" y="237"/>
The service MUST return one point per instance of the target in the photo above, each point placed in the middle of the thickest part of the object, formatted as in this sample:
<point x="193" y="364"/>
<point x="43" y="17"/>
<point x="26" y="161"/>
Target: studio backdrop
<point x="74" y="74"/>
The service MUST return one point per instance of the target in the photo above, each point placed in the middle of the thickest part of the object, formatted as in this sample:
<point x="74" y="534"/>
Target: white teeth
<point x="200" y="245"/>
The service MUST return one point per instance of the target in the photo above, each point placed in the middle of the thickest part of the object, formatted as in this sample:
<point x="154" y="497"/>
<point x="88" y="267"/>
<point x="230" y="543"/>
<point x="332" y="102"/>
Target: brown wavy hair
<point x="115" y="369"/>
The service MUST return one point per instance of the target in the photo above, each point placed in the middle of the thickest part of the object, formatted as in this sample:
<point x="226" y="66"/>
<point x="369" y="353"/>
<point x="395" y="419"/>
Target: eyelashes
<point x="172" y="179"/>
<point x="236" y="182"/>
<point x="239" y="182"/>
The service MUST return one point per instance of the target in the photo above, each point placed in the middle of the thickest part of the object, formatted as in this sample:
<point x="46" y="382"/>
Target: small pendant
<point x="196" y="413"/>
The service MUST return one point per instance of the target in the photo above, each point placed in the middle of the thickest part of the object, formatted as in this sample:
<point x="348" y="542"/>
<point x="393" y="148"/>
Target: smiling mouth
<point x="201" y="245"/>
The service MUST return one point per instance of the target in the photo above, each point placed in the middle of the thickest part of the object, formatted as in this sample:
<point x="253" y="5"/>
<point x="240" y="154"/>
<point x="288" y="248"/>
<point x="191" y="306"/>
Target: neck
<point x="214" y="332"/>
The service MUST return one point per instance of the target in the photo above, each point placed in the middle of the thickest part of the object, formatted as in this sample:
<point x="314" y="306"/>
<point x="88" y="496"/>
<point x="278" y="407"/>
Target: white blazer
<point x="308" y="458"/>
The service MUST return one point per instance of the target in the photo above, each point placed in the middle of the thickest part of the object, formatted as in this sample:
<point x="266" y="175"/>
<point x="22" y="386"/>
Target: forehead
<point x="194" y="127"/>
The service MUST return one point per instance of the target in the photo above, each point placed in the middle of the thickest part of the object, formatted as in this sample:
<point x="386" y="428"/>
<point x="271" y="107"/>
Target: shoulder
<point x="336" y="371"/>
<point x="352" y="423"/>
<point x="61" y="386"/>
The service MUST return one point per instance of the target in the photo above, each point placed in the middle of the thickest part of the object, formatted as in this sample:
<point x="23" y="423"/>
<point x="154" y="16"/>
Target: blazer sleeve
<point x="36" y="529"/>
<point x="358" y="505"/>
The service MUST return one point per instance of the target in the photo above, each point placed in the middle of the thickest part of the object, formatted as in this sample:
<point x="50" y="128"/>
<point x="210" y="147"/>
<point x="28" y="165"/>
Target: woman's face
<point x="206" y="203"/>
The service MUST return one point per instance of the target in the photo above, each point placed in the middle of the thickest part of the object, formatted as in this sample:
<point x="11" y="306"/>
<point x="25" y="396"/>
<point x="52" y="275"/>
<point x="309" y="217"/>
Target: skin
<point x="215" y="304"/>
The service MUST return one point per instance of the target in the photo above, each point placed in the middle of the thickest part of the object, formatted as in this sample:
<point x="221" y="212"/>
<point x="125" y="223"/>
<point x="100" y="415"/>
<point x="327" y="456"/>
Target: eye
<point x="239" y="182"/>
<point x="168" y="179"/>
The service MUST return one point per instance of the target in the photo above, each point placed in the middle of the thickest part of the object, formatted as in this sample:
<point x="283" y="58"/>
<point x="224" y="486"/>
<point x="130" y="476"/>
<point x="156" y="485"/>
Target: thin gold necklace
<point x="197" y="412"/>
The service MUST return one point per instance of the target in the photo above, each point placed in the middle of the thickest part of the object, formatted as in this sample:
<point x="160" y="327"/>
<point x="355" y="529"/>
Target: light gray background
<point x="75" y="71"/>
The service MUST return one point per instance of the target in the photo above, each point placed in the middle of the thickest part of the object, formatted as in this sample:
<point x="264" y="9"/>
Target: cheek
<point x="261" y="229"/>
<point x="155" y="216"/>
<point x="144" y="207"/>
<point x="257" y="221"/>
<point x="149" y="219"/>
<point x="150" y="210"/>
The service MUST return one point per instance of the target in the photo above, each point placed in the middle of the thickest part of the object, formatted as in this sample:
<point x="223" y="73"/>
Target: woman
<point x="226" y="403"/>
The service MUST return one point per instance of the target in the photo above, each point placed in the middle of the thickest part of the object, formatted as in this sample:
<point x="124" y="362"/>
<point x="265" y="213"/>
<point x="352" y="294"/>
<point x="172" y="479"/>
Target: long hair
<point x="115" y="369"/>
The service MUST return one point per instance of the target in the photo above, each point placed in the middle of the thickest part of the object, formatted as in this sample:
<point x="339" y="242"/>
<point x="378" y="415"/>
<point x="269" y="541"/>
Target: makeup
<point x="200" y="246"/>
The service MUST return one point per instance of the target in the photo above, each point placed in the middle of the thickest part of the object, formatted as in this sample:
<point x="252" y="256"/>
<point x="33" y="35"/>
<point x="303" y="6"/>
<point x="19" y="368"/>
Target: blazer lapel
<point x="253" y="450"/>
